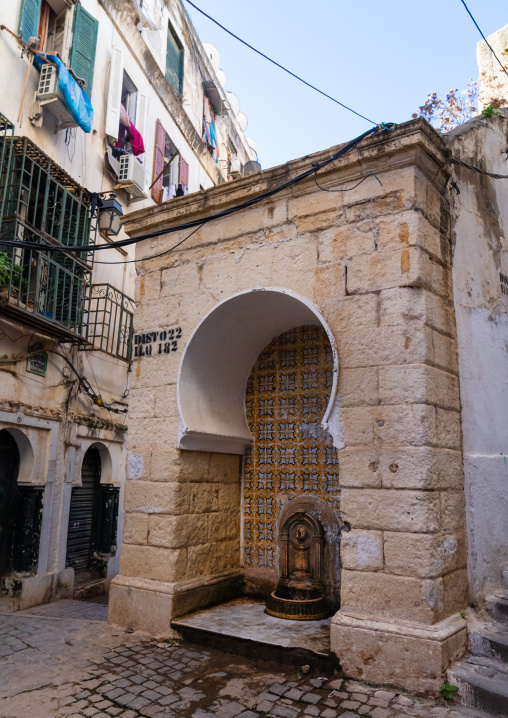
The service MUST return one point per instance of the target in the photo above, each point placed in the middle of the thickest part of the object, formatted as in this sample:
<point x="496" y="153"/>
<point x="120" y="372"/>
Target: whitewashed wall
<point x="480" y="214"/>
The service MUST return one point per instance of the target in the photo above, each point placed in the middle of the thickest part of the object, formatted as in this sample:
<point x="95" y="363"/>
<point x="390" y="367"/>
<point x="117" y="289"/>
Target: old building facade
<point x="317" y="331"/>
<point x="125" y="100"/>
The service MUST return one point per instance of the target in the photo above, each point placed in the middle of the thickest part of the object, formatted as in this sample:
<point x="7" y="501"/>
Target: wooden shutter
<point x="43" y="27"/>
<point x="114" y="93"/>
<point x="84" y="43"/>
<point x="184" y="173"/>
<point x="158" y="161"/>
<point x="29" y="19"/>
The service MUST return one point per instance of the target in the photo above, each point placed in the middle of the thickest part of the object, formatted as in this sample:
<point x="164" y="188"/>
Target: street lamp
<point x="110" y="212"/>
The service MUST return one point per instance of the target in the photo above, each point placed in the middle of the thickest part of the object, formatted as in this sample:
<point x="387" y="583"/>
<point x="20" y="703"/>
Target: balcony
<point x="108" y="321"/>
<point x="47" y="293"/>
<point x="52" y="291"/>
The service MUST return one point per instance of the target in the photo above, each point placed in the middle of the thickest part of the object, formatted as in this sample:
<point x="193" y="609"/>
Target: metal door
<point x="84" y="513"/>
<point x="9" y="469"/>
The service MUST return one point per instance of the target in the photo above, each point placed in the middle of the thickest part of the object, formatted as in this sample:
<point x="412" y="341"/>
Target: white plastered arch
<point x="26" y="455"/>
<point x="217" y="361"/>
<point x="107" y="468"/>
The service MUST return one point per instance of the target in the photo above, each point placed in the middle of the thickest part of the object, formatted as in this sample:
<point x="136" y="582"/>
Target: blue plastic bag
<point x="74" y="96"/>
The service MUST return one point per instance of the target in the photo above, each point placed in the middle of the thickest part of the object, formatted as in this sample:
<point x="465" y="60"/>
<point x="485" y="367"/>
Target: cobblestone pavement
<point x="64" y="660"/>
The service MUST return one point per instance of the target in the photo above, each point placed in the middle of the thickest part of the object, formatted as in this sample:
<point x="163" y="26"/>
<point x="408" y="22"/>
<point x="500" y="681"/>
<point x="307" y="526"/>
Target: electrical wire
<point x="481" y="33"/>
<point x="83" y="381"/>
<point x="313" y="87"/>
<point x="478" y="170"/>
<point x="152" y="256"/>
<point x="200" y="222"/>
<point x="324" y="189"/>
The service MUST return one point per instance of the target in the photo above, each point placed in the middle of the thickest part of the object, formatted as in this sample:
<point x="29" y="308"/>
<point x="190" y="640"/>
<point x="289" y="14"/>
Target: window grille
<point x="40" y="202"/>
<point x="52" y="292"/>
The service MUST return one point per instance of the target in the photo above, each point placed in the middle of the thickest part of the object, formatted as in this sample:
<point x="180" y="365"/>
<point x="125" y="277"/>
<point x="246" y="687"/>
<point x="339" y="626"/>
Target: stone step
<point x="497" y="606"/>
<point x="257" y="650"/>
<point x="243" y="628"/>
<point x="482" y="683"/>
<point x="85" y="590"/>
<point x="490" y="641"/>
<point x="7" y="605"/>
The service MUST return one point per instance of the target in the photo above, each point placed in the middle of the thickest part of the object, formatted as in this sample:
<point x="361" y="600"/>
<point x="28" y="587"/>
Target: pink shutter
<point x="184" y="173"/>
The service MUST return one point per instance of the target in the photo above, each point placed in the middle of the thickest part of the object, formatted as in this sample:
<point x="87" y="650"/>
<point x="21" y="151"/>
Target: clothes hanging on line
<point x="209" y="129"/>
<point x="129" y="135"/>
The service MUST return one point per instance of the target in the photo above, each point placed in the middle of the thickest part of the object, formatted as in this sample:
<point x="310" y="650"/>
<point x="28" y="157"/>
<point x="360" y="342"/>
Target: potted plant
<point x="10" y="275"/>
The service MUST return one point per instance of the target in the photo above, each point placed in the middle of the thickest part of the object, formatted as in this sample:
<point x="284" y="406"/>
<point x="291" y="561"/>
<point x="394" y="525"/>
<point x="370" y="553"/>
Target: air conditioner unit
<point x="50" y="96"/>
<point x="132" y="177"/>
<point x="235" y="168"/>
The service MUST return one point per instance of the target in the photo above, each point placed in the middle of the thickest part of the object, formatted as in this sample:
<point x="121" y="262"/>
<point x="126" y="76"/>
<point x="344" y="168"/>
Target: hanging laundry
<point x="136" y="140"/>
<point x="117" y="152"/>
<point x="129" y="138"/>
<point x="209" y="129"/>
<point x="124" y="117"/>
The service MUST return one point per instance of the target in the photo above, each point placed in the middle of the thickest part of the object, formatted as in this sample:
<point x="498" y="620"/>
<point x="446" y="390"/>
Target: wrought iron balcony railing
<point x="39" y="202"/>
<point x="108" y="320"/>
<point x="52" y="291"/>
<point x="48" y="295"/>
<point x="47" y="292"/>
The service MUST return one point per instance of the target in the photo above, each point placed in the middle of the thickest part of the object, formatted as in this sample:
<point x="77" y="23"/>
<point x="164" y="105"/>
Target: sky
<point x="381" y="59"/>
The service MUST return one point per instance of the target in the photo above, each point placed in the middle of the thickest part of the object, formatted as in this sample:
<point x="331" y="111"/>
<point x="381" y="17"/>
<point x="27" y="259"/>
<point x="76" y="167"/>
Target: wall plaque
<point x="38" y="363"/>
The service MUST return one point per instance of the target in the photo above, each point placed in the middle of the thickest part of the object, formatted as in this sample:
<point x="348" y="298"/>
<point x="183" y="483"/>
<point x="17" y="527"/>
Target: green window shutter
<point x="84" y="42"/>
<point x="29" y="19"/>
<point x="174" y="62"/>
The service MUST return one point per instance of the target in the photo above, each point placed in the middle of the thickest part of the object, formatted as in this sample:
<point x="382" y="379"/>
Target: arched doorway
<point x="9" y="470"/>
<point x="291" y="455"/>
<point x="20" y="507"/>
<point x="83" y="516"/>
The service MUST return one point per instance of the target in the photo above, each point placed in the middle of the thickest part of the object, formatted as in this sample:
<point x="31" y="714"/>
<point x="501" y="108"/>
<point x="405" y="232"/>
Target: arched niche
<point x="26" y="455"/>
<point x="218" y="358"/>
<point x="106" y="462"/>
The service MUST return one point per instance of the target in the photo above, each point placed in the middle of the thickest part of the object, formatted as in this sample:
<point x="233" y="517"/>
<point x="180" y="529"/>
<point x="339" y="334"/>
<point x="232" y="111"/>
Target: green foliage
<point x="447" y="691"/>
<point x="463" y="614"/>
<point x="8" y="269"/>
<point x="11" y="273"/>
<point x="489" y="111"/>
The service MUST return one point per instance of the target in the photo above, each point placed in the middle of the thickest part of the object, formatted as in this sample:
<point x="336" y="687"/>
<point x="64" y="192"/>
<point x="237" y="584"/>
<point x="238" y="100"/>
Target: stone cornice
<point x="411" y="143"/>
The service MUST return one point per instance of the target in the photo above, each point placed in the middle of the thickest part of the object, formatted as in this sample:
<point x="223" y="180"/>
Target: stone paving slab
<point x="246" y="618"/>
<point x="56" y="662"/>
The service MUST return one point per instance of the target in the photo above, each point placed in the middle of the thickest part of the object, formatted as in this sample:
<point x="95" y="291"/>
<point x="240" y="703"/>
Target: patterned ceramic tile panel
<point x="287" y="395"/>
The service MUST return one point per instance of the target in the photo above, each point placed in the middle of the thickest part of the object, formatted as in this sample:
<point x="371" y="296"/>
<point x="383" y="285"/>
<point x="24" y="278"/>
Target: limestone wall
<point x="374" y="263"/>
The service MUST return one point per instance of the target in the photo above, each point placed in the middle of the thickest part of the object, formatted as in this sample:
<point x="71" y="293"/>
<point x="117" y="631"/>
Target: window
<point x="170" y="170"/>
<point x="174" y="62"/>
<point x="54" y="23"/>
<point x="129" y="96"/>
<point x="130" y="140"/>
<point x="127" y="110"/>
